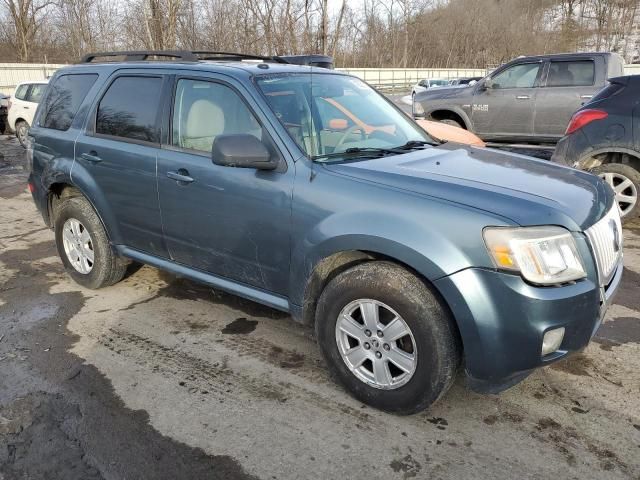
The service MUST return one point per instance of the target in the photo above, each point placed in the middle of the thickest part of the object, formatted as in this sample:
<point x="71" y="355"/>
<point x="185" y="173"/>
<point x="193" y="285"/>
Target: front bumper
<point x="502" y="320"/>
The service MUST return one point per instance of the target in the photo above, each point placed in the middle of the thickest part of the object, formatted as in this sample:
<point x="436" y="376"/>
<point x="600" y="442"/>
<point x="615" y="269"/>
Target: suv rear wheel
<point x="387" y="338"/>
<point x="22" y="132"/>
<point x="625" y="181"/>
<point x="84" y="247"/>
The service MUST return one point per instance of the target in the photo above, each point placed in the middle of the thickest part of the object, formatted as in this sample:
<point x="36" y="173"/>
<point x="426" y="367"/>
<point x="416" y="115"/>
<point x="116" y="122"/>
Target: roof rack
<point x="198" y="55"/>
<point x="180" y="55"/>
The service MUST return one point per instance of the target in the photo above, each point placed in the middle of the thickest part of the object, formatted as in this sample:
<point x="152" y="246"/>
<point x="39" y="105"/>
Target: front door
<point x="118" y="154"/>
<point x="232" y="222"/>
<point x="506" y="107"/>
<point x="569" y="84"/>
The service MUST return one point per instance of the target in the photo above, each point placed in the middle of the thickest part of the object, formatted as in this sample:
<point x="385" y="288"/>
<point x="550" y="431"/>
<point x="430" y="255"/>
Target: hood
<point x="451" y="91"/>
<point x="525" y="190"/>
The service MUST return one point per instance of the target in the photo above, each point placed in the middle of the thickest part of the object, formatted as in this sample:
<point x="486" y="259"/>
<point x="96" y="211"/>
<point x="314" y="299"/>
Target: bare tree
<point x="26" y="17"/>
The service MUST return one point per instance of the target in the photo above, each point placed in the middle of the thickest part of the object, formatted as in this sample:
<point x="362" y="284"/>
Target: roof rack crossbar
<point x="214" y="55"/>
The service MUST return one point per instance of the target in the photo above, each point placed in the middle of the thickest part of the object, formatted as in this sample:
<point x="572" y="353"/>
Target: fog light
<point x="552" y="340"/>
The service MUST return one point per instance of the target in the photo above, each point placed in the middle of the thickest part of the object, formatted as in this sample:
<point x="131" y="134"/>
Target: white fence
<point x="387" y="79"/>
<point x="11" y="74"/>
<point x="400" y="79"/>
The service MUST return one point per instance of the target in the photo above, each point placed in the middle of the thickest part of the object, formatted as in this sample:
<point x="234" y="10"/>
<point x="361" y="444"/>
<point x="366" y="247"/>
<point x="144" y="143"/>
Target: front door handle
<point x="91" y="157"/>
<point x="586" y="97"/>
<point x="522" y="97"/>
<point x="181" y="176"/>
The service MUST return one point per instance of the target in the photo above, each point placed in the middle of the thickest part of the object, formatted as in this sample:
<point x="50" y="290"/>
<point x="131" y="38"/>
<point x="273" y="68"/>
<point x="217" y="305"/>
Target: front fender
<point x="399" y="235"/>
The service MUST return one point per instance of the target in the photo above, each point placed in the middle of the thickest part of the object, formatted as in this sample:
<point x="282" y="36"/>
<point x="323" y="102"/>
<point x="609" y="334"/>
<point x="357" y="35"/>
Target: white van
<point x="22" y="107"/>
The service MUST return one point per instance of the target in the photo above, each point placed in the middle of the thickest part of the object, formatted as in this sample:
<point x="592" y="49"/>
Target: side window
<point x="35" y="92"/>
<point x="63" y="99"/>
<point x="571" y="74"/>
<point x="203" y="110"/>
<point x="518" y="76"/>
<point x="21" y="92"/>
<point x="129" y="109"/>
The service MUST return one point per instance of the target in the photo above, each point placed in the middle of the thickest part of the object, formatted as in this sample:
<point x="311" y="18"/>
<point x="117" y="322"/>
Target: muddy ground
<point x="157" y="377"/>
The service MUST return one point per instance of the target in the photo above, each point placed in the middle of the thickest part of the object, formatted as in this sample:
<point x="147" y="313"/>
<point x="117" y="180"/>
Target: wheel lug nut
<point x="367" y="346"/>
<point x="378" y="355"/>
<point x="379" y="333"/>
<point x="367" y="333"/>
<point x="386" y="346"/>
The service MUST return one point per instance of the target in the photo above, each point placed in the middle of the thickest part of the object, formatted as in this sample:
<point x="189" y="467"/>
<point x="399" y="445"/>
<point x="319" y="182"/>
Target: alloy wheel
<point x="376" y="344"/>
<point x="78" y="245"/>
<point x="625" y="191"/>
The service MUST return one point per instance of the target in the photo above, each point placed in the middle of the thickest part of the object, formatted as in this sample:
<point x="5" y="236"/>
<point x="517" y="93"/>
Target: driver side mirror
<point x="241" y="151"/>
<point x="488" y="84"/>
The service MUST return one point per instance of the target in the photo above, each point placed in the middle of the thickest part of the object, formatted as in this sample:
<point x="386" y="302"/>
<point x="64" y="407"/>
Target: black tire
<point x="453" y="123"/>
<point x="22" y="132"/>
<point x="107" y="267"/>
<point x="435" y="335"/>
<point x="628" y="172"/>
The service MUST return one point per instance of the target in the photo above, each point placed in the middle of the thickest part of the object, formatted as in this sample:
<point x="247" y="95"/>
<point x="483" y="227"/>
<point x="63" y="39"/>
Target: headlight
<point x="542" y="255"/>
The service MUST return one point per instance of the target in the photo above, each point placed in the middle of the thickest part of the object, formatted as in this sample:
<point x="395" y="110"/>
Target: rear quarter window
<point x="21" y="92"/>
<point x="63" y="99"/>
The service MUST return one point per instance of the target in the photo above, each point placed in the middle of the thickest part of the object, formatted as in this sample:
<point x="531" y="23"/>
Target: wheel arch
<point x="597" y="157"/>
<point x="451" y="114"/>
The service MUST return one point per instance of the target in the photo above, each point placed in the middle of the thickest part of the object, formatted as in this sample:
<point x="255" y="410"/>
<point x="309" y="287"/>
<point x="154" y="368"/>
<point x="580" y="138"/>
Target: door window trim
<point x="90" y="130"/>
<point x="169" y="137"/>
<point x="536" y="83"/>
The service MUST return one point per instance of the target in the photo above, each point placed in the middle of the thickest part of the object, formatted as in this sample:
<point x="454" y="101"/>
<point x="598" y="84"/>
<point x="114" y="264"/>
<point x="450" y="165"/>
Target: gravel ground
<point x="157" y="377"/>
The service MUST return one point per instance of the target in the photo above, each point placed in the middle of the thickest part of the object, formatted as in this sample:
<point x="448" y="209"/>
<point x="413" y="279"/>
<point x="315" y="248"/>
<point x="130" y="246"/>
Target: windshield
<point x="329" y="114"/>
<point x="438" y="83"/>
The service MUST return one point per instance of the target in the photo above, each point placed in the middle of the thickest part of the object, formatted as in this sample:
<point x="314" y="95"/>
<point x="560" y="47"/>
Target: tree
<point x="25" y="20"/>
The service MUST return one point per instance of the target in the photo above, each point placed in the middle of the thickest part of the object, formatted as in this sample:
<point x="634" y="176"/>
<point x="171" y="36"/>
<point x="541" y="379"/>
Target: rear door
<point x="507" y="108"/>
<point x="567" y="84"/>
<point x="118" y="151"/>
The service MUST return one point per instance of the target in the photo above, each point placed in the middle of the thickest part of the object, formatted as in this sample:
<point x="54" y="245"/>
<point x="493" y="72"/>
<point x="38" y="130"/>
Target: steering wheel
<point x="349" y="131"/>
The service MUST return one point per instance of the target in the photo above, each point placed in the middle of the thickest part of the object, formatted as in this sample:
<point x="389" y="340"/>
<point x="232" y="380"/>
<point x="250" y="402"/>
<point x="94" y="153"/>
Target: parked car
<point x="603" y="137"/>
<point x="4" y="108"/>
<point x="529" y="99"/>
<point x="465" y="81"/>
<point x="427" y="83"/>
<point x="449" y="133"/>
<point x="409" y="257"/>
<point x="22" y="107"/>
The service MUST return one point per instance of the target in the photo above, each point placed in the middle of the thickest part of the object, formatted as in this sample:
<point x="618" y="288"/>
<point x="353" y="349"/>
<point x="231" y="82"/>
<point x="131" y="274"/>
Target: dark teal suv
<point x="410" y="257"/>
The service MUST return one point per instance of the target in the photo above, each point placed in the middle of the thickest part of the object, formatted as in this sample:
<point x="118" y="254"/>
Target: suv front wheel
<point x="22" y="132"/>
<point x="387" y="338"/>
<point x="84" y="247"/>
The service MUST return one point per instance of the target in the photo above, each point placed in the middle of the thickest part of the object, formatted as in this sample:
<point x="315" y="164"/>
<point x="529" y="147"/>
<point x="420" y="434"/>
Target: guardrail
<point x="400" y="80"/>
<point x="389" y="80"/>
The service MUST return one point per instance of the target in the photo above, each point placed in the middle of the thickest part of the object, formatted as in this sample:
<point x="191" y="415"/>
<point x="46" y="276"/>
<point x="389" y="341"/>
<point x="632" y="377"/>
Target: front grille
<point x="606" y="241"/>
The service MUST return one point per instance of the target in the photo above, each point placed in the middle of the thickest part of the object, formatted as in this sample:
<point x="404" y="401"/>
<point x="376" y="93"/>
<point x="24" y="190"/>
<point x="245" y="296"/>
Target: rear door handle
<point x="522" y="97"/>
<point x="181" y="176"/>
<point x="91" y="157"/>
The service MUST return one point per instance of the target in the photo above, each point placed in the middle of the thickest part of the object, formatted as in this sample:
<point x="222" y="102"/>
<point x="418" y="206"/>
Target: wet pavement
<point x="158" y="377"/>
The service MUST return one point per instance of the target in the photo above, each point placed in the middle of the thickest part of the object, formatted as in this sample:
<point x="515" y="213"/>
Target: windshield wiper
<point x="419" y="143"/>
<point x="358" y="152"/>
